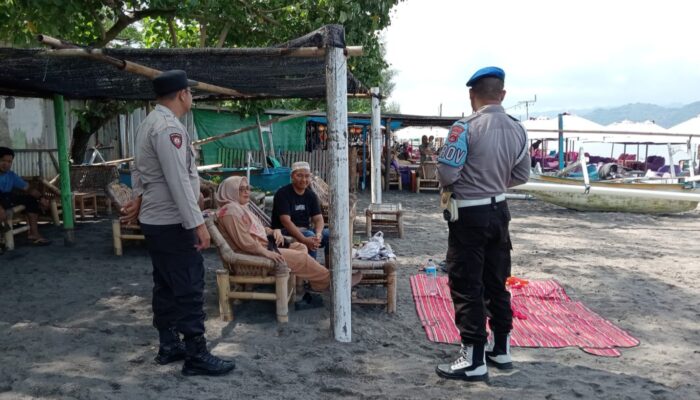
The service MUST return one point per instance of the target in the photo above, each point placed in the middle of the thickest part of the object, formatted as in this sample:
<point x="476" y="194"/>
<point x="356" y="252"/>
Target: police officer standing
<point x="484" y="154"/>
<point x="167" y="188"/>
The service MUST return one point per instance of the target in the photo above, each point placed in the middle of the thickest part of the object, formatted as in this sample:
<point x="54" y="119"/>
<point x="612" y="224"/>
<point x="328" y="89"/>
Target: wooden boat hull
<point x="614" y="203"/>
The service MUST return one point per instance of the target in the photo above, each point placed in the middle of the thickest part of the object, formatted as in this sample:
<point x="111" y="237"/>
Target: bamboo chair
<point x="394" y="180"/>
<point x="94" y="179"/>
<point x="242" y="271"/>
<point x="428" y="179"/>
<point x="120" y="194"/>
<point x="320" y="187"/>
<point x="14" y="217"/>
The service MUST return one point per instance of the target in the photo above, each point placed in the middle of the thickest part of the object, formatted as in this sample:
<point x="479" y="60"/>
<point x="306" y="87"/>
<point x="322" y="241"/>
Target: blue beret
<point x="493" y="72"/>
<point x="170" y="81"/>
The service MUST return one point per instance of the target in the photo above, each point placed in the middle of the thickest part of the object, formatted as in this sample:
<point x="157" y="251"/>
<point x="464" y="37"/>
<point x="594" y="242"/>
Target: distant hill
<point x="640" y="112"/>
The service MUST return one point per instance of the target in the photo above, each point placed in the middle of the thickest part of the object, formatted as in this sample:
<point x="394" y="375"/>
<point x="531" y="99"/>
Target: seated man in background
<point x="297" y="212"/>
<point x="31" y="198"/>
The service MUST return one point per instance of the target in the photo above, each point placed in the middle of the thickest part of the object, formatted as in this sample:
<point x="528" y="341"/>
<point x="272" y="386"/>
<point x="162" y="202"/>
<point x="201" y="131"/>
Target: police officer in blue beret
<point x="484" y="154"/>
<point x="166" y="185"/>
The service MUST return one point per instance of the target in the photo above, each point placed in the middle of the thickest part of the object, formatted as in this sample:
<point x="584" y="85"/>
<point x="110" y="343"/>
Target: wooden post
<point x="64" y="170"/>
<point x="339" y="220"/>
<point x="376" y="148"/>
<point x="388" y="154"/>
<point x="262" y="143"/>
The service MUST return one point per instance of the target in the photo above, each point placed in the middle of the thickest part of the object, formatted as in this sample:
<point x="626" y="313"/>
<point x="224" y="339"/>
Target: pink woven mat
<point x="544" y="316"/>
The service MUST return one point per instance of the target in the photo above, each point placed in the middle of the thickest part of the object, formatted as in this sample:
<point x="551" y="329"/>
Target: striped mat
<point x="544" y="316"/>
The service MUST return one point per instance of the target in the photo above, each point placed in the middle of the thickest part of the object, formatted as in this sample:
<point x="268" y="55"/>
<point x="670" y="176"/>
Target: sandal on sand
<point x="309" y="301"/>
<point x="40" y="242"/>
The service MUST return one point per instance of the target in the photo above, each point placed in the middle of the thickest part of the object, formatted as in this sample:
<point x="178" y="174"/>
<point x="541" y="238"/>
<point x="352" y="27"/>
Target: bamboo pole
<point x="376" y="149"/>
<point x="64" y="170"/>
<point x="251" y="127"/>
<point x="339" y="219"/>
<point x="69" y="50"/>
<point x="232" y="133"/>
<point x="389" y="156"/>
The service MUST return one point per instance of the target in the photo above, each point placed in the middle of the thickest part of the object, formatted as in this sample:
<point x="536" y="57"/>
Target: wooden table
<point x="384" y="217"/>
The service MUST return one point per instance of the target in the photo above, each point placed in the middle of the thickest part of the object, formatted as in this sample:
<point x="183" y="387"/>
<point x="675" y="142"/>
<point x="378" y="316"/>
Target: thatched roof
<point x="254" y="72"/>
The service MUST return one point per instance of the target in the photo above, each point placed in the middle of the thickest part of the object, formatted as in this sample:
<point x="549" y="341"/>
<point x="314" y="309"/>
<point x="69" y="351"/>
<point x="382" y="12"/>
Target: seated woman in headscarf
<point x="249" y="235"/>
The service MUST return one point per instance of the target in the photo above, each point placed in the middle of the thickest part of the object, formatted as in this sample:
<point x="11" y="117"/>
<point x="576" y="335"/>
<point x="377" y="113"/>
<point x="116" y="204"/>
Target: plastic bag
<point x="372" y="247"/>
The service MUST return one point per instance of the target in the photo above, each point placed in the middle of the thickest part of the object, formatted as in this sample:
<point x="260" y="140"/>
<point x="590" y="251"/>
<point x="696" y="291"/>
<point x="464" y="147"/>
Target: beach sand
<point x="75" y="323"/>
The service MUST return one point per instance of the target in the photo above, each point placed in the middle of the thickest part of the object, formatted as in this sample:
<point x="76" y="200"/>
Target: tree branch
<point x="173" y="31"/>
<point x="124" y="20"/>
<point x="260" y="13"/>
<point x="202" y="34"/>
<point x="223" y="34"/>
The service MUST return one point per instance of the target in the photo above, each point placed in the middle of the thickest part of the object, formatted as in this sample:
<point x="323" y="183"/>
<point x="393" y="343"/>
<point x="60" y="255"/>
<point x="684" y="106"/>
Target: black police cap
<point x="170" y="81"/>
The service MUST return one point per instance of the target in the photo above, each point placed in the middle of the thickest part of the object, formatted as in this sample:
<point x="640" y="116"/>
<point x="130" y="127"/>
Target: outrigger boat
<point x="641" y="196"/>
<point x="648" y="198"/>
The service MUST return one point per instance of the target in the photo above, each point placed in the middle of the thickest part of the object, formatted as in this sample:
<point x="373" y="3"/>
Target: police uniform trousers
<point x="478" y="262"/>
<point x="178" y="279"/>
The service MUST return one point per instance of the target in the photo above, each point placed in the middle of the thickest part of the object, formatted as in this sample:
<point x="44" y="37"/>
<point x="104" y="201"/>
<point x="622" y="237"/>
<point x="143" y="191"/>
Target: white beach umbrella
<point x="542" y="127"/>
<point x="691" y="126"/>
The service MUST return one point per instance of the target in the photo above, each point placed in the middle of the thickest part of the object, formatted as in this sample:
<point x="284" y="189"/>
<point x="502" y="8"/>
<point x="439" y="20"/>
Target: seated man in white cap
<point x="297" y="211"/>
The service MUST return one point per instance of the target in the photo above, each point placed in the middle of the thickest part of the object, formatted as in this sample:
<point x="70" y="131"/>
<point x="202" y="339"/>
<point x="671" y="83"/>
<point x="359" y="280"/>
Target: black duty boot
<point x="498" y="351"/>
<point x="200" y="362"/>
<point x="171" y="347"/>
<point x="470" y="366"/>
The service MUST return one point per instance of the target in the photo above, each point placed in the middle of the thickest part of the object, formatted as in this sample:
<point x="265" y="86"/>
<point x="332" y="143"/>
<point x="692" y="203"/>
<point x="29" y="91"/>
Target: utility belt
<point x="450" y="206"/>
<point x="480" y="202"/>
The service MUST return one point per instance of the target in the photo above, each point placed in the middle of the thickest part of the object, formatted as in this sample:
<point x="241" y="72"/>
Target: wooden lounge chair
<point x="120" y="194"/>
<point x="428" y="179"/>
<point x="241" y="272"/>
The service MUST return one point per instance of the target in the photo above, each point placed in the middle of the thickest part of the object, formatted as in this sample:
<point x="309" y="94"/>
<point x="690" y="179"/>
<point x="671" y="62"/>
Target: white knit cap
<point x="301" y="165"/>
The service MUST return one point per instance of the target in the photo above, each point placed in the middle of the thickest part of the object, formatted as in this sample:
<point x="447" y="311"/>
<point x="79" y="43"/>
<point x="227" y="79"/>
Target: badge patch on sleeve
<point x="454" y="152"/>
<point x="176" y="139"/>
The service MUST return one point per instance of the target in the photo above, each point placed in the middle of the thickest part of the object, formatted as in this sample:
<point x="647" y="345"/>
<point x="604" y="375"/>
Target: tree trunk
<point x="81" y="137"/>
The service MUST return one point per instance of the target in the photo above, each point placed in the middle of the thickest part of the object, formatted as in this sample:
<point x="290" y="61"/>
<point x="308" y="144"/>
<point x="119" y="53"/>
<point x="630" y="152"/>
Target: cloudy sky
<point x="571" y="55"/>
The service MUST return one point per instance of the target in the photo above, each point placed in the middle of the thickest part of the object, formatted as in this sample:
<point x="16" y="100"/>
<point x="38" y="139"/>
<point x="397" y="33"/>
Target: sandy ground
<point x="76" y="322"/>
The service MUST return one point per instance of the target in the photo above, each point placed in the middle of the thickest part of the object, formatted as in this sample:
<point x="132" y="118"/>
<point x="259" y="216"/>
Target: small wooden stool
<point x="377" y="273"/>
<point x="384" y="217"/>
<point x="79" y="199"/>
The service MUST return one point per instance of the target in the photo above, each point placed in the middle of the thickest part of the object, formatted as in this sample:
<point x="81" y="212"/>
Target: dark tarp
<point x="258" y="73"/>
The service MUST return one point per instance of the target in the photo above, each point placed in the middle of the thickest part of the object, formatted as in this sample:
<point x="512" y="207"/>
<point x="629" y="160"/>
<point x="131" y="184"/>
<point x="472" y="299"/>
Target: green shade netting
<point x="287" y="135"/>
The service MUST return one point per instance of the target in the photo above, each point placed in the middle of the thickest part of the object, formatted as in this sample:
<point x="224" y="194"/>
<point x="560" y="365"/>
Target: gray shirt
<point x="484" y="155"/>
<point x="165" y="171"/>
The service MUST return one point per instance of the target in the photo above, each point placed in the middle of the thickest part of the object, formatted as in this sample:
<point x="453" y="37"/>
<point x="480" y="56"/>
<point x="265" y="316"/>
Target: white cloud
<point x="594" y="54"/>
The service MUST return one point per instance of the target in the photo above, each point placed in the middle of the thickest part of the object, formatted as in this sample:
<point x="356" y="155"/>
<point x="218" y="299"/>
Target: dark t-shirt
<point x="300" y="208"/>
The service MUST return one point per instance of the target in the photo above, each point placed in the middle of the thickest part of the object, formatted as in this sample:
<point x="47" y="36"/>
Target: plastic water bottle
<point x="431" y="277"/>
